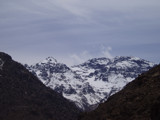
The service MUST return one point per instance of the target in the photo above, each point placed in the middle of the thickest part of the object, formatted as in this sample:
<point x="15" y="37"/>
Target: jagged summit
<point x="50" y="60"/>
<point x="128" y="61"/>
<point x="93" y="81"/>
<point x="95" y="61"/>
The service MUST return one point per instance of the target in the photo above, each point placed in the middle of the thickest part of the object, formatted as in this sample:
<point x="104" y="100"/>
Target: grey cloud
<point x="61" y="27"/>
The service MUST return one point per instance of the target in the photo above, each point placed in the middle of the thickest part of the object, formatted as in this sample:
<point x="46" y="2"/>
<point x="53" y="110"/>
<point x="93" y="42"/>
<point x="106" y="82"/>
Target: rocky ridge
<point x="92" y="82"/>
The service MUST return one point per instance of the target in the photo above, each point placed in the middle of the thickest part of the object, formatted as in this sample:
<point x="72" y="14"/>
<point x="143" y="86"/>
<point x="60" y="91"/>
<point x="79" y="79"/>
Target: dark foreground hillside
<point x="139" y="100"/>
<point x="24" y="97"/>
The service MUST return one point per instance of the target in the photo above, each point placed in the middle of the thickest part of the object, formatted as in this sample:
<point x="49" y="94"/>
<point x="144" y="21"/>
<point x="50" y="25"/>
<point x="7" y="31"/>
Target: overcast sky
<point x="73" y="31"/>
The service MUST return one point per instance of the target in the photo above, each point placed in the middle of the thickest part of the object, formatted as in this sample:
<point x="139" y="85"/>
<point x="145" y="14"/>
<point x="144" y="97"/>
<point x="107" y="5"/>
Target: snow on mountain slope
<point x="60" y="78"/>
<point x="108" y="76"/>
<point x="92" y="82"/>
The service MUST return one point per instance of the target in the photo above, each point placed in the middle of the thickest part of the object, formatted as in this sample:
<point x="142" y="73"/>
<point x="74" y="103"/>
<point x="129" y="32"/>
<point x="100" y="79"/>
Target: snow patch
<point x="135" y="58"/>
<point x="125" y="64"/>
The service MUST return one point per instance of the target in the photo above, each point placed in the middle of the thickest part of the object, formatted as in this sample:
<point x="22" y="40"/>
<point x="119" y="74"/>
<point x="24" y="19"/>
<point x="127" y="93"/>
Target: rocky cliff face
<point x="92" y="82"/>
<point x="24" y="97"/>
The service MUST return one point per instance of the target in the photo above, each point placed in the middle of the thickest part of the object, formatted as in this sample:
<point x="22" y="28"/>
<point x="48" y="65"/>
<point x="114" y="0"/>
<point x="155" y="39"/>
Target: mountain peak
<point x="92" y="81"/>
<point x="50" y="60"/>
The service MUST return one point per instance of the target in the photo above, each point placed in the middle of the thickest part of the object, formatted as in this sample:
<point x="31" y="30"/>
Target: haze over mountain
<point x="24" y="97"/>
<point x="91" y="82"/>
<point x="139" y="100"/>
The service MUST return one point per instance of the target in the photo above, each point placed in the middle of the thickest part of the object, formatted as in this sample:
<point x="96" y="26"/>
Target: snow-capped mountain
<point x="92" y="82"/>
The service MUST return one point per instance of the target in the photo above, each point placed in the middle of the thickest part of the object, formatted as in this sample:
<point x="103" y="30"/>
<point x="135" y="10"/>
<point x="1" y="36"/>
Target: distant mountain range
<point x="91" y="82"/>
<point x="139" y="100"/>
<point x="24" y="97"/>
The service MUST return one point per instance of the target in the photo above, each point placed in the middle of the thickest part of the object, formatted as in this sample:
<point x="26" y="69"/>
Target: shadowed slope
<point x="139" y="100"/>
<point x="24" y="97"/>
